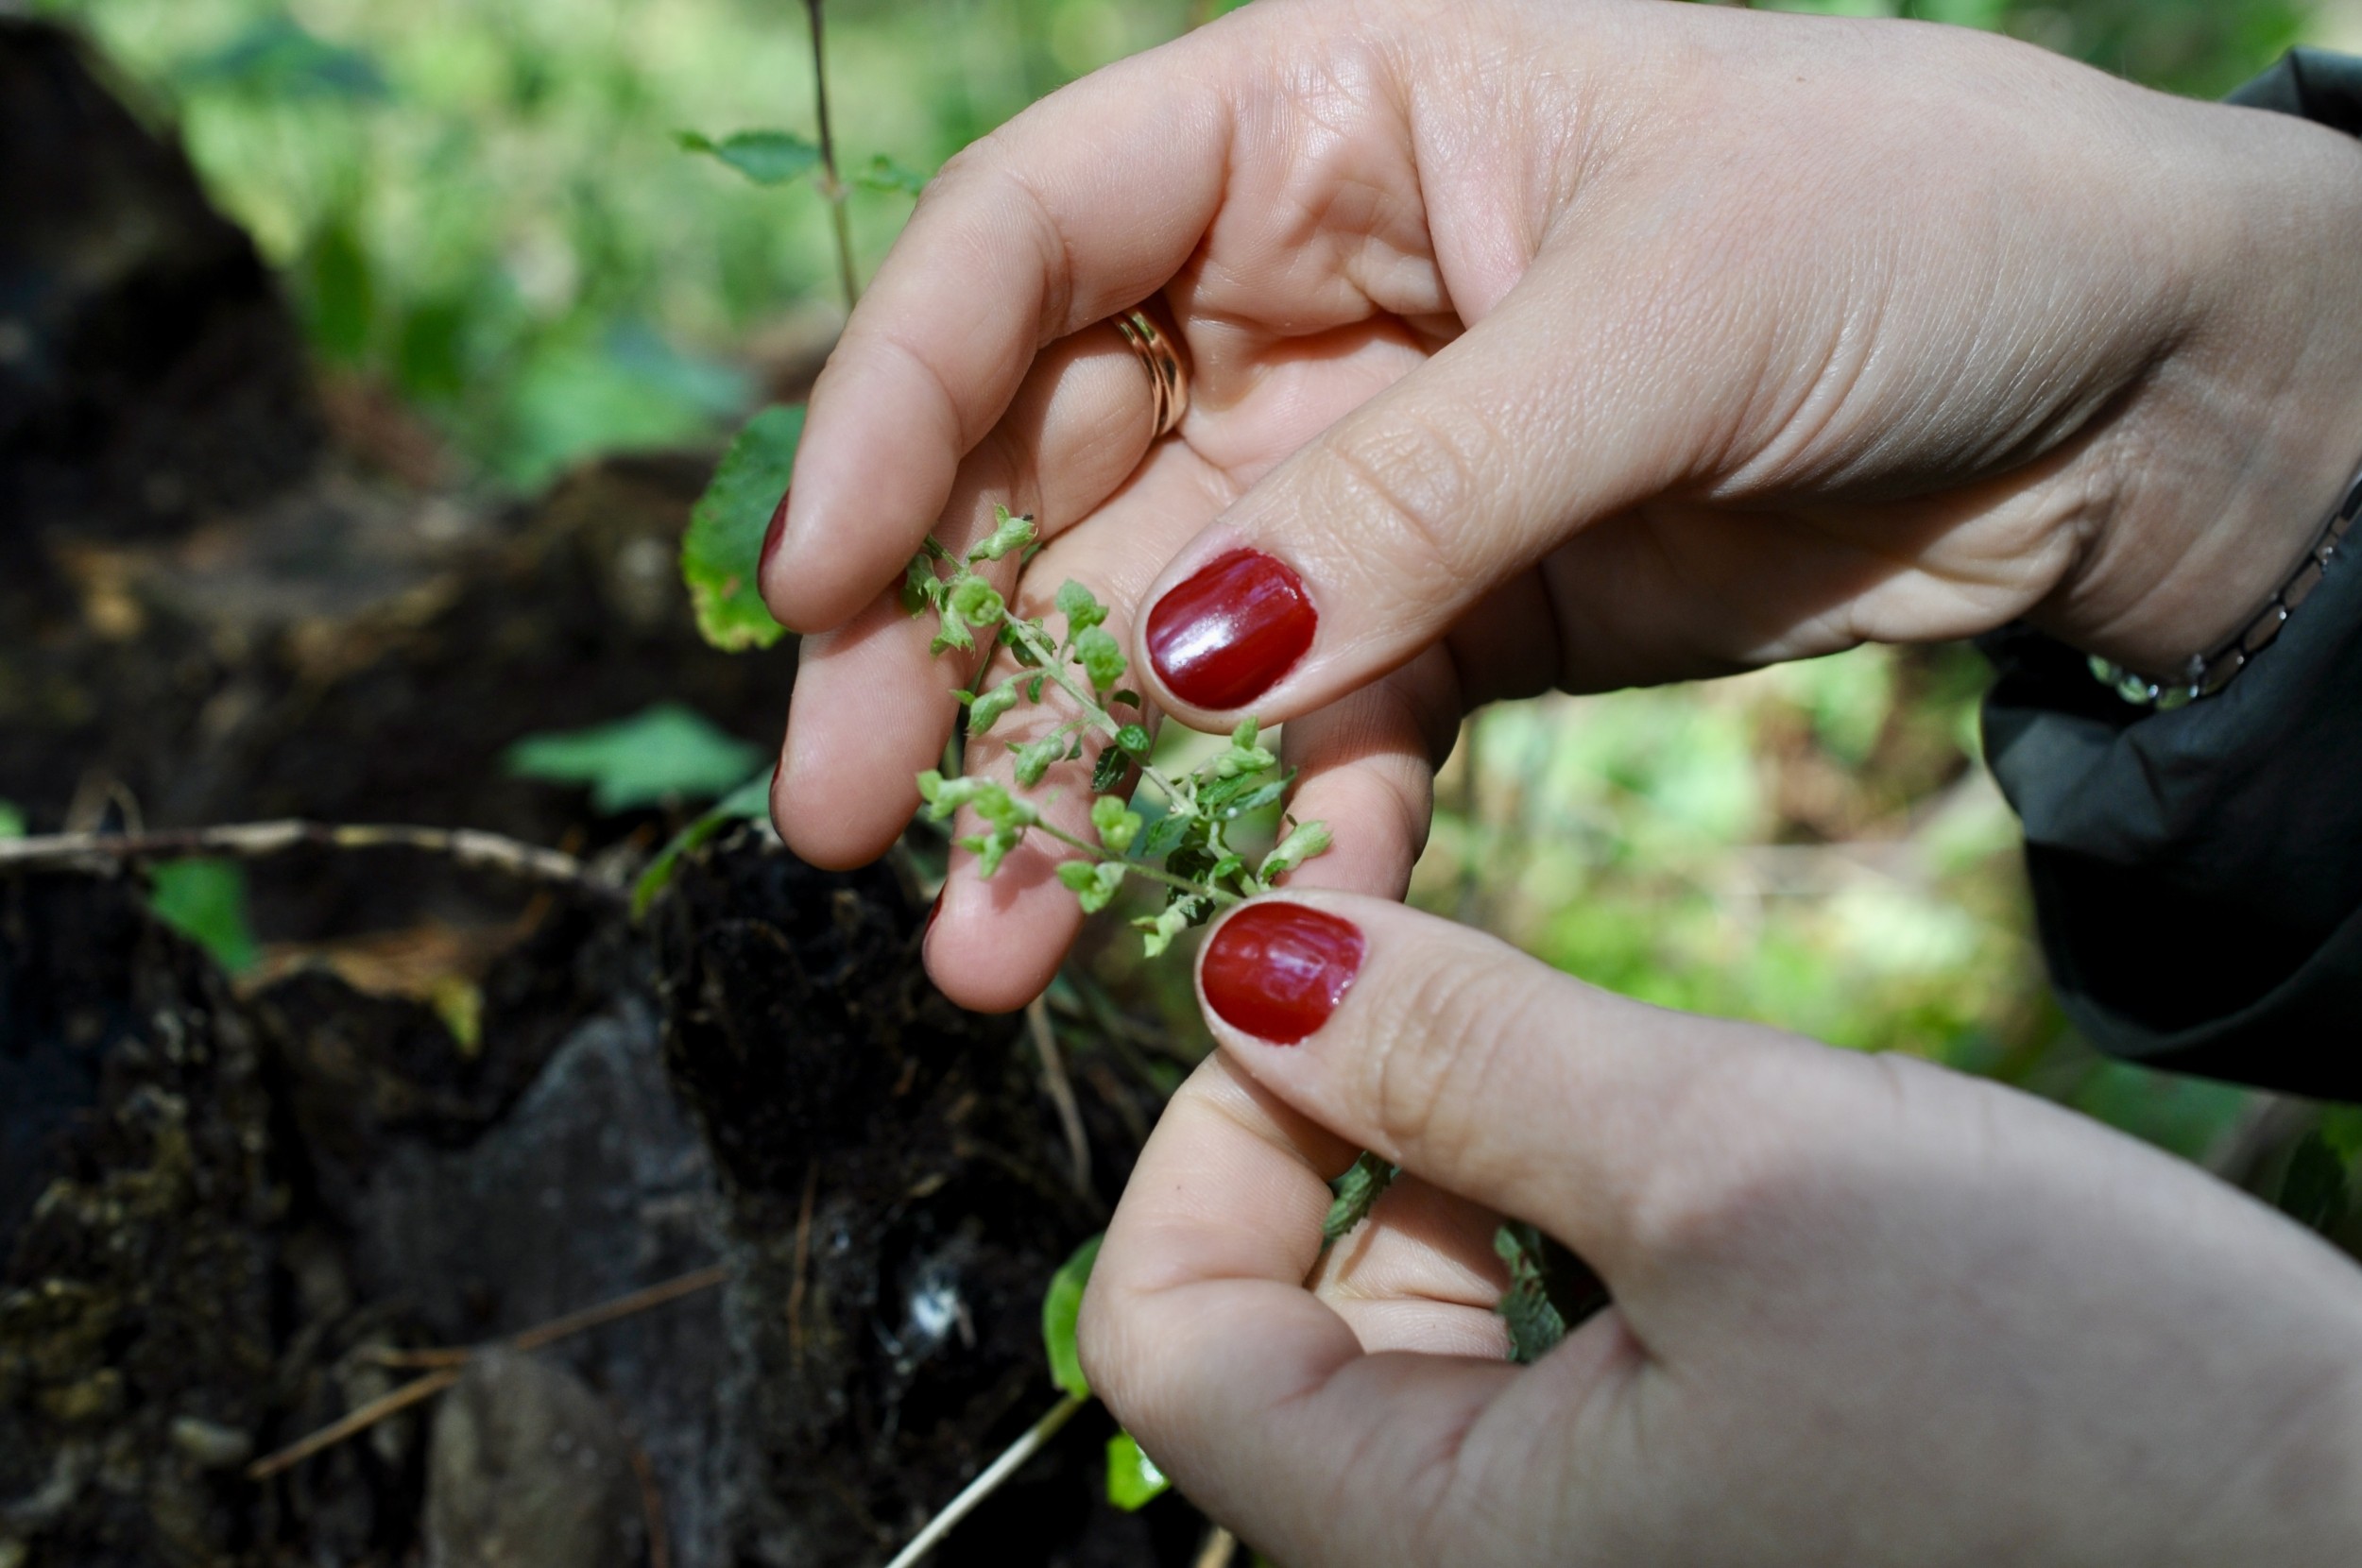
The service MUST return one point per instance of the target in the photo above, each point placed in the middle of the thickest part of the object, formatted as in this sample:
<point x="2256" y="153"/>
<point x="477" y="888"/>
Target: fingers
<point x="995" y="943"/>
<point x="1485" y="1071"/>
<point x="1372" y="541"/>
<point x="1255" y="1396"/>
<point x="871" y="707"/>
<point x="1082" y="205"/>
<point x="1365" y="765"/>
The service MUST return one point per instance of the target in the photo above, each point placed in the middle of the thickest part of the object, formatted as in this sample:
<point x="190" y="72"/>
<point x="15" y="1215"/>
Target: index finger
<point x="1084" y="205"/>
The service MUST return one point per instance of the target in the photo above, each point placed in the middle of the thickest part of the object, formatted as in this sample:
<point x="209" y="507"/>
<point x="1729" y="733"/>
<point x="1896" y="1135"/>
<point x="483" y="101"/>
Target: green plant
<point x="1186" y="849"/>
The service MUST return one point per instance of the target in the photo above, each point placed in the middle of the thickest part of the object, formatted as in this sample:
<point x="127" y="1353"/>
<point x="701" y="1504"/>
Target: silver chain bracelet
<point x="2207" y="673"/>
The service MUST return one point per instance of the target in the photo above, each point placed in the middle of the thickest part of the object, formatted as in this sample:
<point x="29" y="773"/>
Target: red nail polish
<point x="1278" y="971"/>
<point x="771" y="537"/>
<point x="1227" y="635"/>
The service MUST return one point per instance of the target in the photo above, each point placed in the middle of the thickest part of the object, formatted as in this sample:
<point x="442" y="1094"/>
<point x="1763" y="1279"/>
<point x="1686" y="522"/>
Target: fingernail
<point x="771" y="537"/>
<point x="1279" y="970"/>
<point x="1225" y="636"/>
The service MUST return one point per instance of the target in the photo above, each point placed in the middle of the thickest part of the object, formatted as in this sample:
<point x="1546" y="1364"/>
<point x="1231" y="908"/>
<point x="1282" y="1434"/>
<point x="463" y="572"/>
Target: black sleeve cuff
<point x="2197" y="874"/>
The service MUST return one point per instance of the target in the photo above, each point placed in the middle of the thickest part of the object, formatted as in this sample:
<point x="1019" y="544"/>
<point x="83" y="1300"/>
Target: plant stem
<point x="993" y="1474"/>
<point x="1222" y="896"/>
<point x="1053" y="665"/>
<point x="834" y="187"/>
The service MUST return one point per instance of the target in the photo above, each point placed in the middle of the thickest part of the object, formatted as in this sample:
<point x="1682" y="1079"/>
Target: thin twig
<point x="622" y="1306"/>
<point x="834" y="190"/>
<point x="453" y="1362"/>
<point x="1219" y="1547"/>
<point x="651" y="1504"/>
<point x="986" y="1484"/>
<point x="258" y="840"/>
<point x="1061" y="1093"/>
<point x="354" y="1422"/>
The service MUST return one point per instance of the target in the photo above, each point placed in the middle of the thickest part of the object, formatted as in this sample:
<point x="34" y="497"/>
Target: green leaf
<point x="205" y="901"/>
<point x="1060" y="1308"/>
<point x="749" y="802"/>
<point x="1165" y="836"/>
<point x="719" y="553"/>
<point x="667" y="754"/>
<point x="1551" y="1291"/>
<point x="1133" y="1479"/>
<point x="11" y="821"/>
<point x="2340" y="1129"/>
<point x="1354" y="1193"/>
<point x="765" y="157"/>
<point x="1110" y="770"/>
<point x="276" y="59"/>
<point x="883" y="174"/>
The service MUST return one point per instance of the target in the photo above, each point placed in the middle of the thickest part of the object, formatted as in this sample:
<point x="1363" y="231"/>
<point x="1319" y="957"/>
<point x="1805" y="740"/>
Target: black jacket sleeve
<point x="2197" y="874"/>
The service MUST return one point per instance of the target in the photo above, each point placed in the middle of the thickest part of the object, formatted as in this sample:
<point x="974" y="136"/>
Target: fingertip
<point x="993" y="946"/>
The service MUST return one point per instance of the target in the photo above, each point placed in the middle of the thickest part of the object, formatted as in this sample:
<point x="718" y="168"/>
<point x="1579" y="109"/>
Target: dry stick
<point x="835" y="189"/>
<point x="355" y="1421"/>
<point x="258" y="840"/>
<point x="1061" y="1093"/>
<point x="1219" y="1547"/>
<point x="651" y="1504"/>
<point x="986" y="1484"/>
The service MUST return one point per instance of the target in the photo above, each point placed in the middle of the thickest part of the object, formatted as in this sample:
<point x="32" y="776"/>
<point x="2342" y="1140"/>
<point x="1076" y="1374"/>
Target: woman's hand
<point x="1866" y="1311"/>
<point x="1561" y="342"/>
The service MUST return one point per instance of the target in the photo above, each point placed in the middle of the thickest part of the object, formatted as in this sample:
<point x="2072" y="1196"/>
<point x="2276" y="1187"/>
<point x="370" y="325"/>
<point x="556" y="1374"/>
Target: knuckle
<point x="1436" y="1049"/>
<point x="1415" y="484"/>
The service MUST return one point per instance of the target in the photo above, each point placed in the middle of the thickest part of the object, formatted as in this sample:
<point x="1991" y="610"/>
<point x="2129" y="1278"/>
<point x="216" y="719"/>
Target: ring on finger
<point x="1168" y="368"/>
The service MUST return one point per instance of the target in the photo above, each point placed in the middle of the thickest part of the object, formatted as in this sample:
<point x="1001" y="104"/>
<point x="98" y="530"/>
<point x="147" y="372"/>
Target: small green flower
<point x="1101" y="656"/>
<point x="1118" y="824"/>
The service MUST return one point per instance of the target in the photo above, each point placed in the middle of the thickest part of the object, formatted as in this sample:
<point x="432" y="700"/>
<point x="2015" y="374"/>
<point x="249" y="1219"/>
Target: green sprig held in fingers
<point x="1186" y="849"/>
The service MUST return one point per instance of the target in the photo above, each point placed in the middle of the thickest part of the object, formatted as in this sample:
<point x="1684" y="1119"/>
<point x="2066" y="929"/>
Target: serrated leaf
<point x="666" y="754"/>
<point x="723" y="545"/>
<point x="1164" y="836"/>
<point x="1061" y="1306"/>
<point x="205" y="901"/>
<point x="1133" y="1479"/>
<point x="765" y="157"/>
<point x="1551" y="1292"/>
<point x="883" y="174"/>
<point x="1110" y="770"/>
<point x="1353" y="1194"/>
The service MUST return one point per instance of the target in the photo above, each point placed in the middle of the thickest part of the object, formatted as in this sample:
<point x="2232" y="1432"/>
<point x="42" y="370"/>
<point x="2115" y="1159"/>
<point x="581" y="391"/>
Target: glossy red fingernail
<point x="771" y="537"/>
<point x="1278" y="971"/>
<point x="1227" y="635"/>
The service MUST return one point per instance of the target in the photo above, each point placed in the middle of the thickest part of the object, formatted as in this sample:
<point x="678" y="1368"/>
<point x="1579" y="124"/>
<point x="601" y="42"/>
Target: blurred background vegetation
<point x="484" y="216"/>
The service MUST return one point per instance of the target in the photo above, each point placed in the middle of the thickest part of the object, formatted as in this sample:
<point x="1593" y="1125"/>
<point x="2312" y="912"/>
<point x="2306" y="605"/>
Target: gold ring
<point x="1168" y="368"/>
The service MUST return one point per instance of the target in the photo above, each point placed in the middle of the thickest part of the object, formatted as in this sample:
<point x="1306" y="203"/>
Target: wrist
<point x="2247" y="431"/>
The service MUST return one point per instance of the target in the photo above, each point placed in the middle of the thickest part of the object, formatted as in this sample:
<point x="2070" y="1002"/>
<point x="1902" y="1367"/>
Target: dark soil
<point x="227" y="1207"/>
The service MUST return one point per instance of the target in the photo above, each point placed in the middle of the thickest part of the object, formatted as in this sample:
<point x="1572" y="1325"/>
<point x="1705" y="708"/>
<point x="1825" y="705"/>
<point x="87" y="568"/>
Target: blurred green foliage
<point x="205" y="901"/>
<point x="483" y="206"/>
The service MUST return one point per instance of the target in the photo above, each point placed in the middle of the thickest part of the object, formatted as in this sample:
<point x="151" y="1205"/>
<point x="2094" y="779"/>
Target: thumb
<point x="1484" y="1071"/>
<point x="1561" y="407"/>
